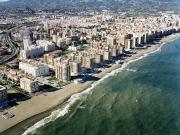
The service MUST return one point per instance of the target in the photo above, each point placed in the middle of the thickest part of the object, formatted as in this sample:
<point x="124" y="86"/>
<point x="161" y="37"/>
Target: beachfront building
<point x="114" y="52"/>
<point x="3" y="93"/>
<point x="49" y="58"/>
<point x="87" y="62"/>
<point x="98" y="59"/>
<point x="29" y="85"/>
<point x="120" y="49"/>
<point x="34" y="68"/>
<point x="128" y="44"/>
<point x="106" y="56"/>
<point x="63" y="72"/>
<point x="75" y="67"/>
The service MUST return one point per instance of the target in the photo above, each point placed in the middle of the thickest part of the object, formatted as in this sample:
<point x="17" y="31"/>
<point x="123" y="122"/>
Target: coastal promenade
<point x="49" y="100"/>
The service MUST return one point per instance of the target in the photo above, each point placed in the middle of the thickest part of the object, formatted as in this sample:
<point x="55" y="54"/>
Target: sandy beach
<point x="49" y="100"/>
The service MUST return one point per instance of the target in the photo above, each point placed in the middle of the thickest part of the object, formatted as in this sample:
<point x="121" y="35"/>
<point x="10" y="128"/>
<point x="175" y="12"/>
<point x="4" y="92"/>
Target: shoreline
<point x="44" y="108"/>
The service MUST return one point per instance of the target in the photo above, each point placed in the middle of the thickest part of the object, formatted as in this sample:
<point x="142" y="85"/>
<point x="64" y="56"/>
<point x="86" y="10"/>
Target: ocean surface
<point x="143" y="99"/>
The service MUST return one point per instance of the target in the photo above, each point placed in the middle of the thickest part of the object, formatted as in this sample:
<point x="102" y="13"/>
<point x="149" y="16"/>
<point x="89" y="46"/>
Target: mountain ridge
<point x="94" y="4"/>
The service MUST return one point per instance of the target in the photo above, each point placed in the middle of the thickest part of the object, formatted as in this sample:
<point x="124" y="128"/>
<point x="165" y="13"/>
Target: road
<point x="7" y="42"/>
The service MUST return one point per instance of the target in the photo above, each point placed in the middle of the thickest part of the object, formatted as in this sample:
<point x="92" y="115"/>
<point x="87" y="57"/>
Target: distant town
<point x="47" y="51"/>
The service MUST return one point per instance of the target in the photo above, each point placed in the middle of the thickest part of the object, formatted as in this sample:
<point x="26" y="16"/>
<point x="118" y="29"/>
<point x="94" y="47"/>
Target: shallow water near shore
<point x="142" y="100"/>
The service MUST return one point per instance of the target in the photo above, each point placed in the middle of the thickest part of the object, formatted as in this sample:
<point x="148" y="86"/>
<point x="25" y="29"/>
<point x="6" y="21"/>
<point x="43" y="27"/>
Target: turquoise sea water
<point x="144" y="100"/>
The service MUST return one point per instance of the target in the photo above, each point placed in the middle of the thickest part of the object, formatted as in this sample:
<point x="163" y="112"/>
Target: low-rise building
<point x="29" y="85"/>
<point x="74" y="48"/>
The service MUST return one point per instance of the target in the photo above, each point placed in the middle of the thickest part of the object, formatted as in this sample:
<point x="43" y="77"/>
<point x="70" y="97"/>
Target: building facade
<point x="34" y="68"/>
<point x="75" y="68"/>
<point x="29" y="85"/>
<point x="63" y="72"/>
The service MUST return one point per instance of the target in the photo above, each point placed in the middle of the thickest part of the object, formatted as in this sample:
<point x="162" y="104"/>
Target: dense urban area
<point x="45" y="52"/>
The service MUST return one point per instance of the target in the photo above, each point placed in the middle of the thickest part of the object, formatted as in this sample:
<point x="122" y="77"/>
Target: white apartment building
<point x="46" y="45"/>
<point x="34" y="68"/>
<point x="29" y="85"/>
<point x="32" y="52"/>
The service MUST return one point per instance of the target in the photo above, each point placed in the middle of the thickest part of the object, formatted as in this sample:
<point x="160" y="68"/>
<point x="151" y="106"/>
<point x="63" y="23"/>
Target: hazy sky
<point x="3" y="0"/>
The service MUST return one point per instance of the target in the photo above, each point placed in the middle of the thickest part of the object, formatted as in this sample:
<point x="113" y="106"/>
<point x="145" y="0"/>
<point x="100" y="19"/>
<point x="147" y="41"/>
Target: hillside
<point x="123" y="5"/>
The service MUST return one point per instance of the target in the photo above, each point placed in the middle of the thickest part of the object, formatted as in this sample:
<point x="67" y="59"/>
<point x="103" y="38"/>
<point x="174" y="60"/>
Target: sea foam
<point x="66" y="108"/>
